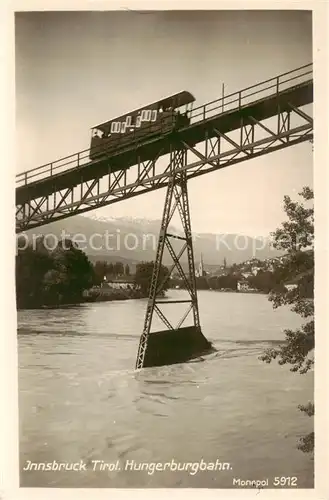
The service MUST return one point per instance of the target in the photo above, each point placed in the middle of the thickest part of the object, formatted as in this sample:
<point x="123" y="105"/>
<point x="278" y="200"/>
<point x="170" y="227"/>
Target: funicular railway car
<point x="156" y="119"/>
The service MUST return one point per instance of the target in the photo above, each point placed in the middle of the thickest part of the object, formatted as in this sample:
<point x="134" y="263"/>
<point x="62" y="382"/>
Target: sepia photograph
<point x="164" y="260"/>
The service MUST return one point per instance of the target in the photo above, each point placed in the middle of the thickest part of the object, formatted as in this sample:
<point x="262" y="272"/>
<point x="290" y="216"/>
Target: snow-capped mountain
<point x="135" y="239"/>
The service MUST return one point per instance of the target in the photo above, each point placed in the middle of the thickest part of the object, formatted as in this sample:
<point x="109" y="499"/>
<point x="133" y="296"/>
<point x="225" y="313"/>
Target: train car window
<point x="115" y="127"/>
<point x="146" y="115"/>
<point x="154" y="115"/>
<point x="132" y="121"/>
<point x="128" y="121"/>
<point x="138" y="121"/>
<point x="123" y="128"/>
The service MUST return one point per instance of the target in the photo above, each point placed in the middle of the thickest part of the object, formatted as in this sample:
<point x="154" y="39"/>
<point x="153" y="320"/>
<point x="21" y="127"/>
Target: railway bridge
<point x="252" y="122"/>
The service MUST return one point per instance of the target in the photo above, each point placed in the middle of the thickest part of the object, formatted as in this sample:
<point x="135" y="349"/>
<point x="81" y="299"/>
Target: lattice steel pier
<point x="176" y="344"/>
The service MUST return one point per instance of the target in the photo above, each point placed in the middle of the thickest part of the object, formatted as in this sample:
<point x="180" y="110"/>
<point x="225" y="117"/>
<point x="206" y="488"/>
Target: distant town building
<point x="242" y="286"/>
<point x="120" y="283"/>
<point x="290" y="287"/>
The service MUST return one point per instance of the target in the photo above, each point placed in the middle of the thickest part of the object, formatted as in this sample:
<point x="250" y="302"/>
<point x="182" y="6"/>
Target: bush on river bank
<point x="51" y="277"/>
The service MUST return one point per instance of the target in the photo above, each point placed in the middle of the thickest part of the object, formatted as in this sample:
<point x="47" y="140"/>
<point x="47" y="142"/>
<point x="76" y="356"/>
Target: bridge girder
<point x="216" y="150"/>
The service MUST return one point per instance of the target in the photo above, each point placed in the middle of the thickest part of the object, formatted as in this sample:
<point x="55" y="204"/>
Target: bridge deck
<point x="210" y="117"/>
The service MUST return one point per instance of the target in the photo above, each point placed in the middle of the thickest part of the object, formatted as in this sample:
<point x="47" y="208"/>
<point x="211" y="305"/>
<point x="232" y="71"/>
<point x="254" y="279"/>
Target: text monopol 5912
<point x="276" y="482"/>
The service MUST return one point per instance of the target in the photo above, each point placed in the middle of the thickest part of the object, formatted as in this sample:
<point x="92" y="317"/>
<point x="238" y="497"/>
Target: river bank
<point x="92" y="295"/>
<point x="109" y="294"/>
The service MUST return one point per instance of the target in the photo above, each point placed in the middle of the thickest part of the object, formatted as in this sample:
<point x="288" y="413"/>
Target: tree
<point x="228" y="281"/>
<point x="234" y="269"/>
<point x="101" y="269"/>
<point x="71" y="274"/>
<point x="143" y="277"/>
<point x="31" y="266"/>
<point x="264" y="281"/>
<point x="118" y="269"/>
<point x="213" y="282"/>
<point x="202" y="283"/>
<point x="295" y="236"/>
<point x="51" y="277"/>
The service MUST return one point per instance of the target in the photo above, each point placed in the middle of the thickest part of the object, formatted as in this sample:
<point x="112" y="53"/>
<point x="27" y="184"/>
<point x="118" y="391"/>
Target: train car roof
<point x="175" y="100"/>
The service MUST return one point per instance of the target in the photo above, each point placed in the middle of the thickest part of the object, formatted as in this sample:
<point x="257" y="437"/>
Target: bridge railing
<point x="261" y="90"/>
<point x="49" y="169"/>
<point x="225" y="104"/>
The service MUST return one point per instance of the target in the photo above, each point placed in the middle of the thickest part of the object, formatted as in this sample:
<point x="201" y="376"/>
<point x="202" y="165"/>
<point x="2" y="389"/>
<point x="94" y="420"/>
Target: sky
<point x="77" y="69"/>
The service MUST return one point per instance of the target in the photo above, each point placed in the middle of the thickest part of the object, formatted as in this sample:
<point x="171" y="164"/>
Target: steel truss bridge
<point x="250" y="123"/>
<point x="255" y="121"/>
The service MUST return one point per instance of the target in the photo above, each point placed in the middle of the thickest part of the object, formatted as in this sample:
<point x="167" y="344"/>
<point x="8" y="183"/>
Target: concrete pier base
<point x="169" y="347"/>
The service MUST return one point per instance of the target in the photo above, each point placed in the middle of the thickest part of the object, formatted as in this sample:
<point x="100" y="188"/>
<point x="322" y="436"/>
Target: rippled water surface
<point x="80" y="398"/>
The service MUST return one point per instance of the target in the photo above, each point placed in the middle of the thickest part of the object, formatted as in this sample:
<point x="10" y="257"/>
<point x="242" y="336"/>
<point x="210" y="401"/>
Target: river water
<point x="81" y="400"/>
